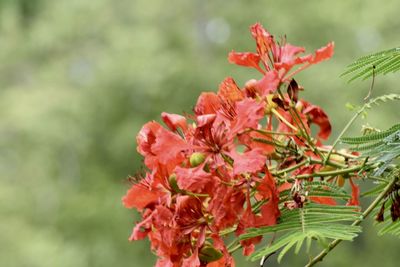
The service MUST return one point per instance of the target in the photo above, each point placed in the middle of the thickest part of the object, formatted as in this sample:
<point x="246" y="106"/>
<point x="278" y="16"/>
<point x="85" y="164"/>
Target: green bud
<point x="196" y="159"/>
<point x="208" y="254"/>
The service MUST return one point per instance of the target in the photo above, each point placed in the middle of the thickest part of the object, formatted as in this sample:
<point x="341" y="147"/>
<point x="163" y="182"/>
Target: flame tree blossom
<point x="215" y="173"/>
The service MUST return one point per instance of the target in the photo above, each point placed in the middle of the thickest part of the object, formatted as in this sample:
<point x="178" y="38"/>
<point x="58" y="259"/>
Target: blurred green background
<point x="78" y="78"/>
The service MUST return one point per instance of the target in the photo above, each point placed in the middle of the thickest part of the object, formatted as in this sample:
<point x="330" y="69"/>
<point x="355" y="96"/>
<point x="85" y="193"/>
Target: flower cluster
<point x="215" y="173"/>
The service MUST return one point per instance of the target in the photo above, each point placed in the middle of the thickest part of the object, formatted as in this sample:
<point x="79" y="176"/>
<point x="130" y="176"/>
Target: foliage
<point x="382" y="62"/>
<point x="382" y="147"/>
<point x="311" y="222"/>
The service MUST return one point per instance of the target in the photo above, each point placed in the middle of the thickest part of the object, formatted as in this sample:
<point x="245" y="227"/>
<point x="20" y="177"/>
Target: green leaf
<point x="383" y="147"/>
<point x="312" y="222"/>
<point x="370" y="137"/>
<point x="382" y="62"/>
<point x="389" y="227"/>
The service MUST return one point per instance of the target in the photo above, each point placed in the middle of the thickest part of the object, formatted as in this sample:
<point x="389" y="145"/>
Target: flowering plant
<point x="246" y="165"/>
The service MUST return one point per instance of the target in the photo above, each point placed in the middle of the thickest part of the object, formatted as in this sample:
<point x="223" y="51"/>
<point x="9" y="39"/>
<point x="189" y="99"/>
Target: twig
<point x="276" y="113"/>
<point x="344" y="131"/>
<point x="344" y="154"/>
<point x="267" y="132"/>
<point x="372" y="84"/>
<point x="291" y="168"/>
<point x="297" y="119"/>
<point x="335" y="172"/>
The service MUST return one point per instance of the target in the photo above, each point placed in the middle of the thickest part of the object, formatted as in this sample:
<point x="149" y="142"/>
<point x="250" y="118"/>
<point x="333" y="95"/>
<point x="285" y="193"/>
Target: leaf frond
<point x="383" y="62"/>
<point x="370" y="137"/>
<point x="312" y="222"/>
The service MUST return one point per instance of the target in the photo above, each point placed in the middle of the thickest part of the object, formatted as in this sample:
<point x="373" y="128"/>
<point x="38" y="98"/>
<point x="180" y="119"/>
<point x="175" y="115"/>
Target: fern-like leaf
<point x="390" y="227"/>
<point x="379" y="136"/>
<point x="381" y="99"/>
<point x="325" y="189"/>
<point x="382" y="62"/>
<point x="318" y="189"/>
<point x="312" y="222"/>
<point x="382" y="147"/>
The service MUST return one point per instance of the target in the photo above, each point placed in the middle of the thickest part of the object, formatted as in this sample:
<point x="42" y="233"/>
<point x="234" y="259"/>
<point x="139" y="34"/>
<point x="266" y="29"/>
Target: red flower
<point x="140" y="196"/>
<point x="248" y="113"/>
<point x="226" y="206"/>
<point x="174" y="121"/>
<point x="249" y="162"/>
<point x="229" y="90"/>
<point x="207" y="103"/>
<point x="145" y="140"/>
<point x="316" y="115"/>
<point x="213" y="139"/>
<point x="194" y="179"/>
<point x="245" y="59"/>
<point x="354" y="201"/>
<point x="324" y="200"/>
<point x="207" y="170"/>
<point x="279" y="57"/>
<point x="160" y="146"/>
<point x="268" y="84"/>
<point x="269" y="212"/>
<point x="169" y="147"/>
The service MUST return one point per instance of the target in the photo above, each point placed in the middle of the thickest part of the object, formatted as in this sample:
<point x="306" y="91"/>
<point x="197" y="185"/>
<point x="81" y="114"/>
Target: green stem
<point x="295" y="113"/>
<point x="365" y="214"/>
<point x="291" y="168"/>
<point x="233" y="247"/>
<point x="265" y="132"/>
<point x="329" y="162"/>
<point x="344" y="131"/>
<point x="343" y="154"/>
<point x="276" y="113"/>
<point x="268" y="142"/>
<point x="268" y="133"/>
<point x="344" y="168"/>
<point x="335" y="172"/>
<point x="299" y="122"/>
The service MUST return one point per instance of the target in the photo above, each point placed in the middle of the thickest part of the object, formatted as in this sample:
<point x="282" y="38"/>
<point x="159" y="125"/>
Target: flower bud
<point x="196" y="159"/>
<point x="208" y="254"/>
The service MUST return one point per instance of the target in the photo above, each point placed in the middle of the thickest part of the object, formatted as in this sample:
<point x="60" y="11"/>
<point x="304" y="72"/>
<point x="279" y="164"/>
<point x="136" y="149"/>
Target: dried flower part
<point x="395" y="207"/>
<point x="297" y="201"/>
<point x="380" y="217"/>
